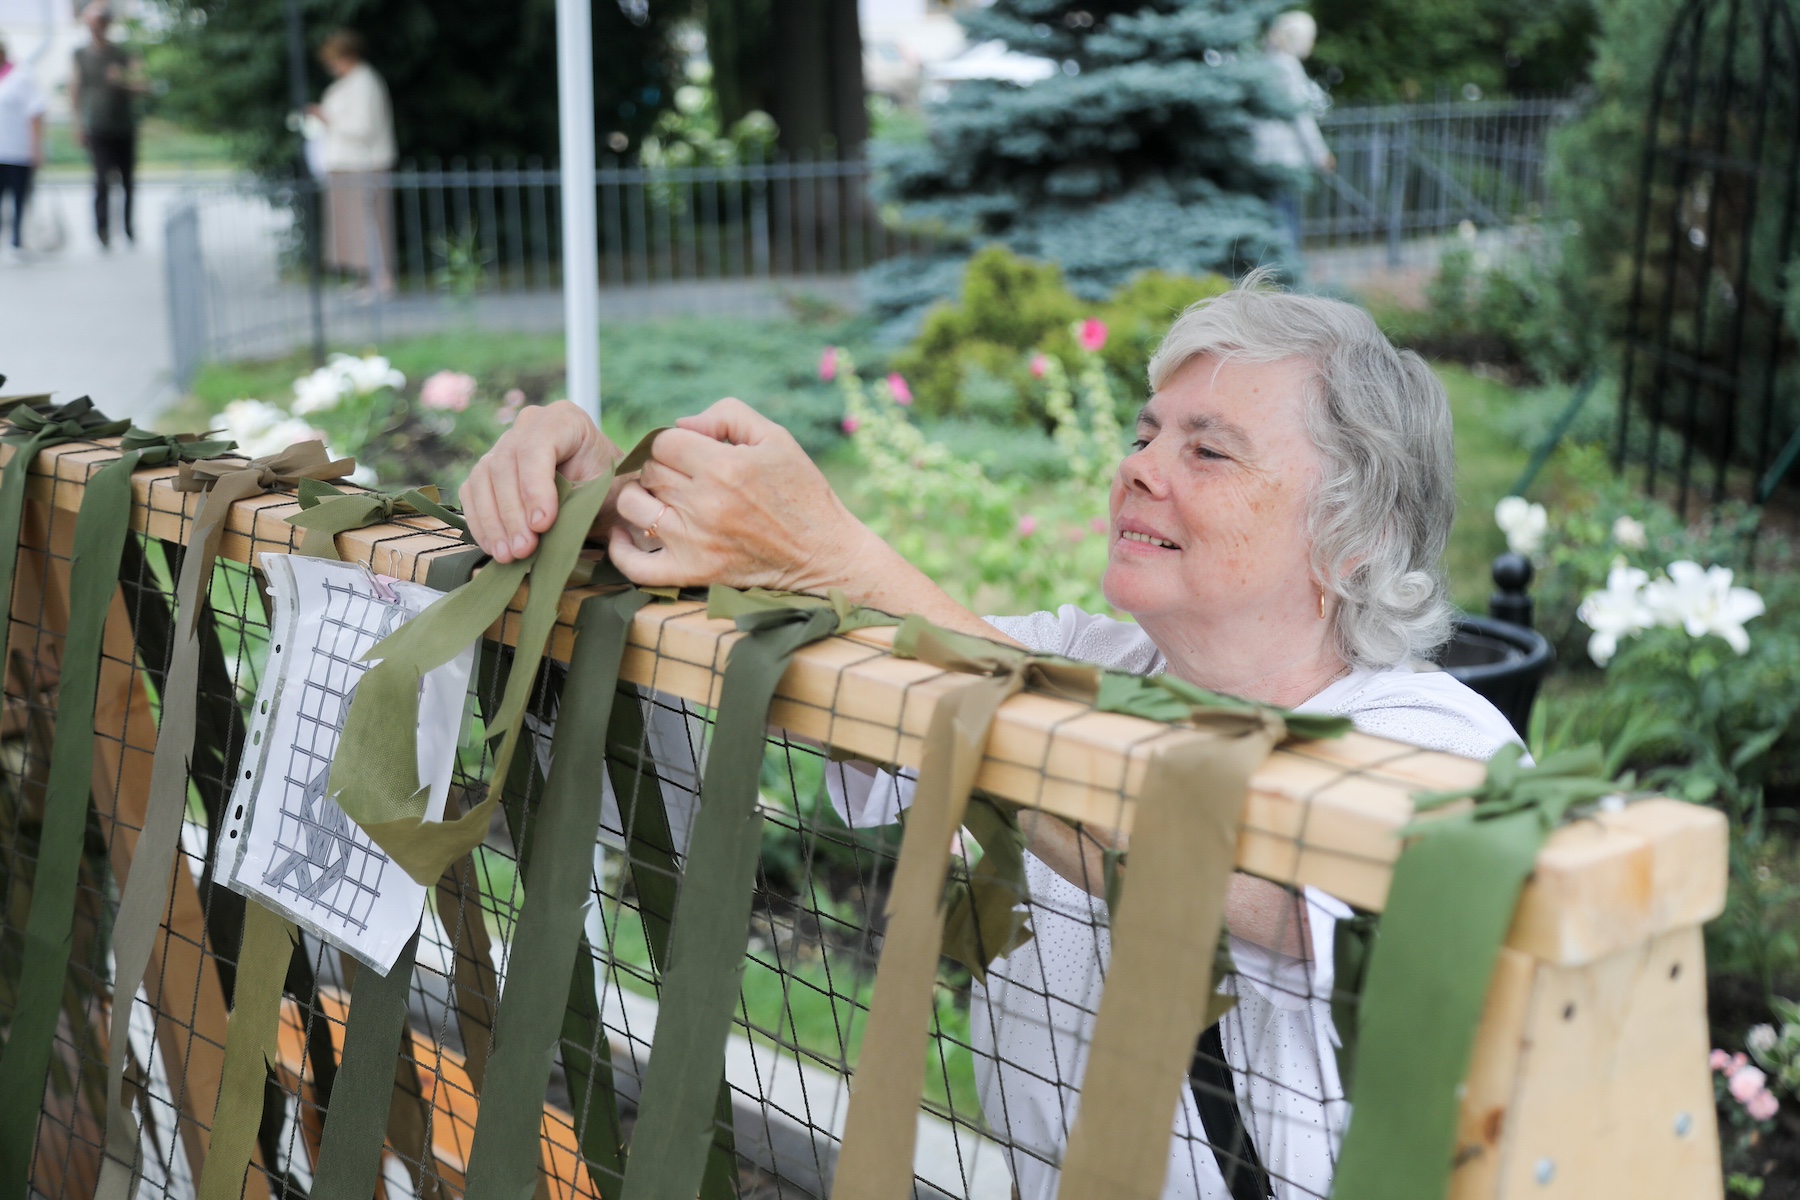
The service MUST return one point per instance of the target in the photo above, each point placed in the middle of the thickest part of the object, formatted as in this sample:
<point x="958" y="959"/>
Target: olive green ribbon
<point x="35" y="429"/>
<point x="504" y="1159"/>
<point x="146" y="895"/>
<point x="326" y="511"/>
<point x="1449" y="906"/>
<point x="1159" y="980"/>
<point x="378" y="788"/>
<point x="881" y="1129"/>
<point x="678" y="1104"/>
<point x="655" y="874"/>
<point x="101" y="528"/>
<point x="357" y="1121"/>
<point x="252" y="1045"/>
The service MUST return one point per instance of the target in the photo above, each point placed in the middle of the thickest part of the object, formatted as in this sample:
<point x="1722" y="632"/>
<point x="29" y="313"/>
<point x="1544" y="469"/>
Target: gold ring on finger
<point x="650" y="529"/>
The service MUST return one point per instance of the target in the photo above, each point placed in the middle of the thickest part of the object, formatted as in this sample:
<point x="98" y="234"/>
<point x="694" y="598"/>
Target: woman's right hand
<point x="510" y="497"/>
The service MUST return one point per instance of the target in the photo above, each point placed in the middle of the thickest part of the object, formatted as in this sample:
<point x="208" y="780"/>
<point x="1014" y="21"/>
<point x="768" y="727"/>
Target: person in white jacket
<point x="21" y="141"/>
<point x="1275" y="531"/>
<point x="359" y="157"/>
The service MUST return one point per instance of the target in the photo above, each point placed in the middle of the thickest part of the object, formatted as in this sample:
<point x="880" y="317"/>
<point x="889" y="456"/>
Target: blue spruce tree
<point x="1138" y="153"/>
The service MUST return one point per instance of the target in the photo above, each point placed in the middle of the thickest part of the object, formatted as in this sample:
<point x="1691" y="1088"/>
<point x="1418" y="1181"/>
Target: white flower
<point x="260" y="428"/>
<point x="1703" y="602"/>
<point x="1761" y="1038"/>
<point x="1629" y="533"/>
<point x="1523" y="523"/>
<point x="321" y="390"/>
<point x="367" y="374"/>
<point x="1618" y="612"/>
<point x="363" y="476"/>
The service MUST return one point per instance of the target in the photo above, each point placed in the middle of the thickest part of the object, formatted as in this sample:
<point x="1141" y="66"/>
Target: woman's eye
<point x="1139" y="444"/>
<point x="1208" y="452"/>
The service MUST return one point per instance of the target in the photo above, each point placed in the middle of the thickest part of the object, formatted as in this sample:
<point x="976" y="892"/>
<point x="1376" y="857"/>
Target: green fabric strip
<point x="100" y="532"/>
<point x="678" y="1106"/>
<point x="1432" y="961"/>
<point x="655" y="875"/>
<point x="36" y="429"/>
<point x="251" y="1045"/>
<point x="881" y="1130"/>
<point x="326" y="511"/>
<point x="357" y="1121"/>
<point x="145" y="900"/>
<point x="504" y="1158"/>
<point x="1159" y="979"/>
<point x="379" y="789"/>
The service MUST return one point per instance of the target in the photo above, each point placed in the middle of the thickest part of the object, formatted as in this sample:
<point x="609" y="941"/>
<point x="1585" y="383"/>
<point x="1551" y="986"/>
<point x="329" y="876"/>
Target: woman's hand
<point x="729" y="497"/>
<point x="510" y="497"/>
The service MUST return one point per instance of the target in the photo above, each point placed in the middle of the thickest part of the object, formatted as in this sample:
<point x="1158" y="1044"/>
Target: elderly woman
<point x="1275" y="534"/>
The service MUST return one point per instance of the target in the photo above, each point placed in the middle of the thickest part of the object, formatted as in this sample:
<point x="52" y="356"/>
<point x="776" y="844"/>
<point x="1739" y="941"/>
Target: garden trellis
<point x="1588" y="1075"/>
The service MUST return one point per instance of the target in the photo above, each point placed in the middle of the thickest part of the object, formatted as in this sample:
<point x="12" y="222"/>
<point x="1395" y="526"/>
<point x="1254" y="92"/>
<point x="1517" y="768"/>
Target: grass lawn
<point x="1487" y="464"/>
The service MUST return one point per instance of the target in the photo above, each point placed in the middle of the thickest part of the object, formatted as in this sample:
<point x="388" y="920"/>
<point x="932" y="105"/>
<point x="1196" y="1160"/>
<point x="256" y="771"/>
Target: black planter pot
<point x="1504" y="662"/>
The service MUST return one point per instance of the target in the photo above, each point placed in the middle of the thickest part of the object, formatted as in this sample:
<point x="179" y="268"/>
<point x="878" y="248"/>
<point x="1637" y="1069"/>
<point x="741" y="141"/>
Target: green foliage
<point x="1411" y="50"/>
<point x="692" y="133"/>
<point x="998" y="545"/>
<point x="468" y="79"/>
<point x="1137" y="155"/>
<point x="973" y="357"/>
<point x="1510" y="313"/>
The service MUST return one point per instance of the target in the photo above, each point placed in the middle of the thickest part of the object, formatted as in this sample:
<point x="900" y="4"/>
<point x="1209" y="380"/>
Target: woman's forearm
<point x="1255" y="909"/>
<point x="874" y="574"/>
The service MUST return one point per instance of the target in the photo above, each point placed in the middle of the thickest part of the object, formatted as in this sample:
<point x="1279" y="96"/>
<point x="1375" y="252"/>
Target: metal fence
<point x="482" y="243"/>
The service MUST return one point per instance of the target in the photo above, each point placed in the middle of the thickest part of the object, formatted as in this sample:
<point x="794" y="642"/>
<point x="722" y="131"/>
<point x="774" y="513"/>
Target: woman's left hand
<point x="730" y="497"/>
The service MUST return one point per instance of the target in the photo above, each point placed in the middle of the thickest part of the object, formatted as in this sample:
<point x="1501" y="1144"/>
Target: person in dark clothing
<point x="103" y="93"/>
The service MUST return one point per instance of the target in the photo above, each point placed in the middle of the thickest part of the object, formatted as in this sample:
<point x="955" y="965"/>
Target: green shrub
<point x="972" y="358"/>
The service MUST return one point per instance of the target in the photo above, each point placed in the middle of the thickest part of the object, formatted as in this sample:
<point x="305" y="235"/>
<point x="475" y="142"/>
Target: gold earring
<point x="1321" y="604"/>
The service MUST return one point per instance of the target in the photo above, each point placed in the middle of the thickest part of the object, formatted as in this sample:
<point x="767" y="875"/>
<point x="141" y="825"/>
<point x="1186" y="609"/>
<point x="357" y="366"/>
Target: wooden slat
<point x="1324" y="814"/>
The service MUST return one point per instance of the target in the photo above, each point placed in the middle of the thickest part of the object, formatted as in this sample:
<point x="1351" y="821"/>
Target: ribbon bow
<point x="76" y="420"/>
<point x="326" y="511"/>
<point x="302" y="460"/>
<point x="161" y="449"/>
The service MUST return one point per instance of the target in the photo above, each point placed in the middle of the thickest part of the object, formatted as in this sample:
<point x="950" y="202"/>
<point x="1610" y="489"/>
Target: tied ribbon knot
<point x="326" y="511"/>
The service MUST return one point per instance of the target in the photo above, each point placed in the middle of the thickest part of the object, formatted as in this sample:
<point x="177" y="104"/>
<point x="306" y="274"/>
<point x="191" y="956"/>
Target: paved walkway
<point x="83" y="321"/>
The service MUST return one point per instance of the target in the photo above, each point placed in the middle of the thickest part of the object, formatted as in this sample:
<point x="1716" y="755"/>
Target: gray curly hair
<point x="1381" y="512"/>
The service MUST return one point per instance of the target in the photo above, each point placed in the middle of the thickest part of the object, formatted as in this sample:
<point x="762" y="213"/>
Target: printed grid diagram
<point x="320" y="854"/>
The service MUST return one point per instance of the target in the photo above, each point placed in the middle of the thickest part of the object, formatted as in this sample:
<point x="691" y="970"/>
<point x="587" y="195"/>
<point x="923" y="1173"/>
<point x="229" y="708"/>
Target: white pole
<point x="581" y="248"/>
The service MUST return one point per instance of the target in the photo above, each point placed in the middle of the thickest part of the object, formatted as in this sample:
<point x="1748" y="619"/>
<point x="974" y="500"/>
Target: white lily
<point x="321" y="390"/>
<point x="1616" y="613"/>
<point x="1703" y="601"/>
<point x="368" y="373"/>
<point x="1523" y="523"/>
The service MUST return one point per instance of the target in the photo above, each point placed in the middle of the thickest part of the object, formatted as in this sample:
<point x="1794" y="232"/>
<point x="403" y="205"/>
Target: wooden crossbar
<point x="1323" y="814"/>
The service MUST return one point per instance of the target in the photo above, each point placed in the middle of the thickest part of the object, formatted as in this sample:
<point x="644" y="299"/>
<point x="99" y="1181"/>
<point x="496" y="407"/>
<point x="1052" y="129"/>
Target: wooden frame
<point x="1590" y="1075"/>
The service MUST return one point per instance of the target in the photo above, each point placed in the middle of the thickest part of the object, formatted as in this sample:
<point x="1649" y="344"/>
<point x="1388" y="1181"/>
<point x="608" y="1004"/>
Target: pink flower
<point x="898" y="389"/>
<point x="1737" y="1063"/>
<point x="510" y="404"/>
<point x="1098" y="524"/>
<point x="1027" y="526"/>
<point x="1763" y="1106"/>
<point x="1746" y="1082"/>
<point x="447" y="391"/>
<point x="1720" y="1060"/>
<point x="851" y="424"/>
<point x="1093" y="335"/>
<point x="1039" y="366"/>
<point x="828" y="364"/>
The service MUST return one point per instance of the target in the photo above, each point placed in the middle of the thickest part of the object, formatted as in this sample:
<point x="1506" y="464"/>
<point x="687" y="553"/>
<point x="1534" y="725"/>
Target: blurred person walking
<point x="359" y="157"/>
<point x="21" y="142"/>
<point x="103" y="94"/>
<point x="1294" y="143"/>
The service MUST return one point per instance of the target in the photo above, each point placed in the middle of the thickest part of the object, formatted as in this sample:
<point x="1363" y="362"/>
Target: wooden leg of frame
<point x="1592" y="1080"/>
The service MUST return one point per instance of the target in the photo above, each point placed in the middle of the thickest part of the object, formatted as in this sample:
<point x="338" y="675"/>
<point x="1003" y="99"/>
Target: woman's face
<point x="1209" y="511"/>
